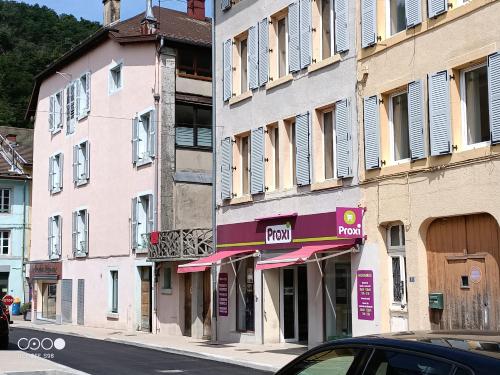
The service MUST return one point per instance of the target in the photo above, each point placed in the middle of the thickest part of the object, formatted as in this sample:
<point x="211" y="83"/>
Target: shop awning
<point x="203" y="264"/>
<point x="297" y="257"/>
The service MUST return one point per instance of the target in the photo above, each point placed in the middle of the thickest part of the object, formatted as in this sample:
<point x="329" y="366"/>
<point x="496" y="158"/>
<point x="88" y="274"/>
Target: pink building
<point x="123" y="136"/>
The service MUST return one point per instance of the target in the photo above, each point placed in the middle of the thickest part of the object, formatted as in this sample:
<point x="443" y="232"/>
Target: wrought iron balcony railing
<point x="180" y="244"/>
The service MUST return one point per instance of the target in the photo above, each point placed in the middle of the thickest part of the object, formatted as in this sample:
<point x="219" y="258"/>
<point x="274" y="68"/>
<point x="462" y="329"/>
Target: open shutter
<point x="253" y="58"/>
<point x="75" y="163"/>
<point x="152" y="134"/>
<point x="413" y="9"/>
<point x="151" y="214"/>
<point x="257" y="161"/>
<point x="494" y="96"/>
<point x="305" y="33"/>
<point x="372" y="132"/>
<point x="61" y="170"/>
<point x="86" y="233"/>
<point x="226" y="168"/>
<point x="134" y="223"/>
<point x="87" y="91"/>
<point x="59" y="234"/>
<point x="416" y="119"/>
<point x="436" y="7"/>
<point x="51" y="113"/>
<point x="79" y="93"/>
<point x="51" y="173"/>
<point x="225" y="4"/>
<point x="439" y="113"/>
<point x="368" y="23"/>
<point x="263" y="51"/>
<point x="228" y="69"/>
<point x="135" y="139"/>
<point x="293" y="37"/>
<point x="343" y="132"/>
<point x="50" y="237"/>
<point x="87" y="160"/>
<point x="74" y="232"/>
<point x="302" y="149"/>
<point x="341" y="28"/>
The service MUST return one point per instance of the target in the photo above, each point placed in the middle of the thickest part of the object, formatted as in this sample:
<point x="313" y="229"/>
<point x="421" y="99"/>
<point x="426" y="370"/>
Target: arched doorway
<point x="463" y="255"/>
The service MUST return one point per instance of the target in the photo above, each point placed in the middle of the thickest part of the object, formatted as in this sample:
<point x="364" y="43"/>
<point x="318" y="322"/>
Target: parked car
<point x="4" y="325"/>
<point x="430" y="353"/>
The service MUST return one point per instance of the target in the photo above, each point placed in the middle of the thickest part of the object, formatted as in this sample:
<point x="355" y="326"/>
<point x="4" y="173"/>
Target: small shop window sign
<point x="279" y="233"/>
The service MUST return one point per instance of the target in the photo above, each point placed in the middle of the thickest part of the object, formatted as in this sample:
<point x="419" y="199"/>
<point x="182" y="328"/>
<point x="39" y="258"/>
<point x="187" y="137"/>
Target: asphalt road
<point x="107" y="358"/>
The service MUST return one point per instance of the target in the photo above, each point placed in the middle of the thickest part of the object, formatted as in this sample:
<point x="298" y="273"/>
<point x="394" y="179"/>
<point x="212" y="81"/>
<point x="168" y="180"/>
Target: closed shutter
<point x="372" y="132"/>
<point x="343" y="132"/>
<point x="293" y="37"/>
<point x="263" y="52"/>
<point x="368" y="23"/>
<point x="228" y="69"/>
<point x="257" y="161"/>
<point x="134" y="223"/>
<point x="436" y="7"/>
<point x="439" y="113"/>
<point x="135" y="139"/>
<point x="51" y="173"/>
<point x="152" y="134"/>
<point x="416" y="119"/>
<point x="302" y="149"/>
<point x="75" y="163"/>
<point x="151" y="214"/>
<point x="225" y="4"/>
<point x="494" y="96"/>
<point x="413" y="9"/>
<point x="51" y="113"/>
<point x="50" y="237"/>
<point x="61" y="170"/>
<point x="305" y="33"/>
<point x="74" y="237"/>
<point x="341" y="28"/>
<point x="226" y="168"/>
<point x="253" y="58"/>
<point x="87" y="91"/>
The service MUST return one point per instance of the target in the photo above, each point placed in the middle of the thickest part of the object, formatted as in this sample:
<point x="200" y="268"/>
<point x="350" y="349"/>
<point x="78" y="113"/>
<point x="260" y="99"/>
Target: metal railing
<point x="180" y="244"/>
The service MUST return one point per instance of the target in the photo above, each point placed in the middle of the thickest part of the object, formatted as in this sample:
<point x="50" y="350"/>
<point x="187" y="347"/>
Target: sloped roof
<point x="23" y="147"/>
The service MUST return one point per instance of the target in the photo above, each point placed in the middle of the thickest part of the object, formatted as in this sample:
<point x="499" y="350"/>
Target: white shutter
<point x="439" y="113"/>
<point x="225" y="4"/>
<point x="87" y="91"/>
<point x="50" y="237"/>
<point x="341" y="27"/>
<point x="228" y="69"/>
<point x="134" y="223"/>
<point x="253" y="58"/>
<point x="343" y="133"/>
<point x="372" y="132"/>
<point x="75" y="163"/>
<point x="61" y="170"/>
<point x="87" y="161"/>
<point x="226" y="168"/>
<point x="368" y="22"/>
<point x="263" y="51"/>
<point x="151" y="214"/>
<point x="135" y="139"/>
<point x="293" y="37"/>
<point x="416" y="119"/>
<point x="59" y="234"/>
<point x="436" y="7"/>
<point x="302" y="149"/>
<point x="86" y="232"/>
<point x="413" y="9"/>
<point x="51" y="173"/>
<point x="305" y="33"/>
<point x="74" y="236"/>
<point x="152" y="134"/>
<point x="79" y="93"/>
<point x="58" y="112"/>
<point x="494" y="96"/>
<point x="51" y="113"/>
<point x="257" y="161"/>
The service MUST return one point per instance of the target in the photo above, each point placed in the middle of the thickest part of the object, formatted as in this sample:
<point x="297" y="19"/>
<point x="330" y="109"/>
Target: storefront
<point x="44" y="278"/>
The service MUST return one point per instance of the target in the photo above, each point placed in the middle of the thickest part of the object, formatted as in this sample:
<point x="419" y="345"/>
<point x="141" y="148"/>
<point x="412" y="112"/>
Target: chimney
<point x="111" y="11"/>
<point x="196" y="9"/>
<point x="149" y="24"/>
<point x="11" y="139"/>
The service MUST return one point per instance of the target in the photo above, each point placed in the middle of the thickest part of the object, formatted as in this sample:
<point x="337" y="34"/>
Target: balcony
<point x="180" y="244"/>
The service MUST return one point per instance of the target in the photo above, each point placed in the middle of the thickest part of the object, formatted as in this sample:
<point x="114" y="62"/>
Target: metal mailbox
<point x="436" y="301"/>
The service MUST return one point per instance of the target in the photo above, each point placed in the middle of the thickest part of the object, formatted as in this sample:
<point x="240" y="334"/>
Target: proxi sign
<point x="279" y="234"/>
<point x="349" y="222"/>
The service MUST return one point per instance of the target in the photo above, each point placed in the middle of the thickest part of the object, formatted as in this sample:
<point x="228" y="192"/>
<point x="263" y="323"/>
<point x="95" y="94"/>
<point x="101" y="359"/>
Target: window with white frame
<point x="327" y="40"/>
<point x="55" y="236"/>
<point x="5" y="200"/>
<point x="115" y="78"/>
<point x="282" y="44"/>
<point x="80" y="236"/>
<point x="399" y="130"/>
<point x="113" y="291"/>
<point x="144" y="137"/>
<point x="4" y="242"/>
<point x="81" y="163"/>
<point x="83" y="96"/>
<point x="56" y="173"/>
<point x="56" y="112"/>
<point x="396" y="16"/>
<point x="71" y="113"/>
<point x="397" y="254"/>
<point x="475" y="107"/>
<point x="143" y="221"/>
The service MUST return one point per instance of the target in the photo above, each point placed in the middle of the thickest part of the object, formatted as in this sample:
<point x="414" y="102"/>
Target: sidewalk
<point x="269" y="357"/>
<point x="21" y="363"/>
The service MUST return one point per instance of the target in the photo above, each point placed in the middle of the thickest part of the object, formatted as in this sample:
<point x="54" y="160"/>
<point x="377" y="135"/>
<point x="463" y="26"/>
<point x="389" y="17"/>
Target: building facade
<point x="123" y="136"/>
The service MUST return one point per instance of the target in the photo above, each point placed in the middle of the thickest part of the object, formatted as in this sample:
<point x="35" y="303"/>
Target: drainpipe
<point x="23" y="264"/>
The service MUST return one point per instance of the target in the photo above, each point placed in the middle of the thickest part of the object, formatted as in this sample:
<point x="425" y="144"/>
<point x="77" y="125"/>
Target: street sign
<point x="8" y="300"/>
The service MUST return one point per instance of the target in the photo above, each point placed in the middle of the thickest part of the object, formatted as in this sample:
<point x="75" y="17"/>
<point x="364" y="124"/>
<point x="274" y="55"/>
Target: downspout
<point x="23" y="265"/>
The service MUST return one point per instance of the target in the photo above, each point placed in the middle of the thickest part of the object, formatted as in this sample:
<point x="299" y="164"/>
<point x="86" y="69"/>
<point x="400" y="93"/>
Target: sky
<point x="92" y="9"/>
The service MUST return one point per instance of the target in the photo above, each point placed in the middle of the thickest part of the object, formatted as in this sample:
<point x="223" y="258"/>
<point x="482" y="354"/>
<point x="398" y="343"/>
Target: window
<point x="83" y="95"/>
<point x="4" y="242"/>
<point x="80" y="233"/>
<point x="396" y="251"/>
<point x="398" y="120"/>
<point x="81" y="161"/>
<point x="282" y="41"/>
<point x="193" y="125"/>
<point x="144" y="137"/>
<point x="142" y="221"/>
<point x="339" y="361"/>
<point x="245" y="301"/>
<point x="167" y="279"/>
<point x="244" y="64"/>
<point x="243" y="143"/>
<point x="475" y="107"/>
<point x="71" y="107"/>
<point x="293" y="154"/>
<point x="114" y="291"/>
<point x="115" y="78"/>
<point x="273" y="157"/>
<point x="326" y="28"/>
<point x="56" y="112"/>
<point x="396" y="17"/>
<point x="329" y="145"/>
<point x="55" y="236"/>
<point x="56" y="173"/>
<point x="5" y="201"/>
<point x="195" y="62"/>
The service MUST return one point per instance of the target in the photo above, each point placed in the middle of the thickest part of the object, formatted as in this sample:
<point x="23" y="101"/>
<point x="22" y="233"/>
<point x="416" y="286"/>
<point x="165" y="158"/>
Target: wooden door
<point x="207" y="311"/>
<point x="187" y="304"/>
<point x="146" y="299"/>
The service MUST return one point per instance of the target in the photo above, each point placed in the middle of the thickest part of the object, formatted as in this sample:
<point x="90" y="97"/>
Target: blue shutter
<point x="413" y="9"/>
<point x="416" y="119"/>
<point x="372" y="132"/>
<point x="225" y="4"/>
<point x="253" y="58"/>
<point x="305" y="33"/>
<point x="439" y="113"/>
<point x="343" y="132"/>
<point x="302" y="149"/>
<point x="257" y="161"/>
<point x="263" y="51"/>
<point x="226" y="168"/>
<point x="436" y="7"/>
<point x="228" y="69"/>
<point x="293" y="38"/>
<point x="368" y="23"/>
<point x="341" y="30"/>
<point x="494" y="96"/>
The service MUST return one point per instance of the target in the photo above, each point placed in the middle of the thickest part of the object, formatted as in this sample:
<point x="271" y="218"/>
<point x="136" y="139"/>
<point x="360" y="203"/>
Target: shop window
<point x="329" y="143"/>
<point x="193" y="125"/>
<point x="113" y="291"/>
<point x="49" y="295"/>
<point x="194" y="62"/>
<point x="397" y="254"/>
<point x="475" y="107"/>
<point x="337" y="297"/>
<point x="4" y="242"/>
<point x="396" y="16"/>
<point x="273" y="158"/>
<point x="5" y="200"/>
<point x="398" y="122"/>
<point x="245" y="305"/>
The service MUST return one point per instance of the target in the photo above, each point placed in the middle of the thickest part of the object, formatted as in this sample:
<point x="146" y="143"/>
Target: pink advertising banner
<point x="365" y="295"/>
<point x="349" y="222"/>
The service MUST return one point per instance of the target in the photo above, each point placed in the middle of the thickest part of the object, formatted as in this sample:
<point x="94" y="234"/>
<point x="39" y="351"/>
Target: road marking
<point x="170" y="371"/>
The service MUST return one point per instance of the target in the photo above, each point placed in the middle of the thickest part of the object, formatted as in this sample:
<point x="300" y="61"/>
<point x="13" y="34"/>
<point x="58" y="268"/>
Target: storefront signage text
<point x="349" y="222"/>
<point x="279" y="234"/>
<point x="365" y="295"/>
<point x="223" y="294"/>
<point x="48" y="270"/>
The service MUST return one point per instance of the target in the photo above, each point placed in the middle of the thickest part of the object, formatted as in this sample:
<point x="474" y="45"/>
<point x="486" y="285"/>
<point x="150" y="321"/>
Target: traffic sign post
<point x="8" y="300"/>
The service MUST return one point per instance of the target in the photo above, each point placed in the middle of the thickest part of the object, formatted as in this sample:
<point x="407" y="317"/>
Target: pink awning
<point x="296" y="257"/>
<point x="203" y="264"/>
